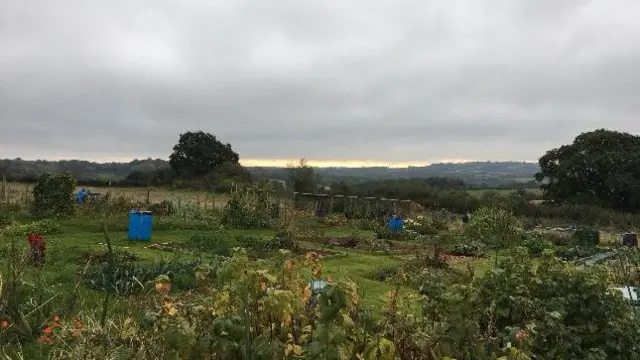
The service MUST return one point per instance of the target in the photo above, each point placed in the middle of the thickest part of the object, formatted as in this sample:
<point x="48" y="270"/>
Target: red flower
<point x="56" y="318"/>
<point x="5" y="324"/>
<point x="45" y="339"/>
<point x="48" y="330"/>
<point x="78" y="323"/>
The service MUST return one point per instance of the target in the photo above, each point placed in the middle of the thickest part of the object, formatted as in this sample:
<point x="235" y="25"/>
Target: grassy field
<point x="22" y="193"/>
<point x="348" y="264"/>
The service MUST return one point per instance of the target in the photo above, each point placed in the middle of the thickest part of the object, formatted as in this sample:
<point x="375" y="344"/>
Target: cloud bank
<point x="387" y="81"/>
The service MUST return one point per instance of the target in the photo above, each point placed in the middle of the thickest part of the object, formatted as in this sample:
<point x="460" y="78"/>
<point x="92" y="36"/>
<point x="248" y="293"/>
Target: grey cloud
<point x="407" y="80"/>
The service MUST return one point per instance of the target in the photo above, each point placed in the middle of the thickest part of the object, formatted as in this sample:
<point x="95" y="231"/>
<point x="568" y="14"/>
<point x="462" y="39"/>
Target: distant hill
<point x="18" y="169"/>
<point x="473" y="173"/>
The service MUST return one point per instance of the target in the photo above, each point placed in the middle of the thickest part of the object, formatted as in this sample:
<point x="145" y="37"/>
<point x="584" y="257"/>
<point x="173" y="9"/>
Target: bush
<point x="559" y="239"/>
<point x="53" y="196"/>
<point x="577" y="252"/>
<point x="384" y="273"/>
<point x="562" y="304"/>
<point x="586" y="236"/>
<point x="535" y="242"/>
<point x="336" y="220"/>
<point x="129" y="278"/>
<point x="284" y="240"/>
<point x="382" y="232"/>
<point x="221" y="243"/>
<point x="212" y="243"/>
<point x="473" y="248"/>
<point x="495" y="227"/>
<point x="373" y="245"/>
<point x="41" y="227"/>
<point x="366" y="224"/>
<point x="247" y="210"/>
<point x="163" y="208"/>
<point x="7" y="213"/>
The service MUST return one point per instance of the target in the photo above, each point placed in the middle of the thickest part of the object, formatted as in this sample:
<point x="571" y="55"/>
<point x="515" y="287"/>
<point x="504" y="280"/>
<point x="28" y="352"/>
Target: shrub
<point x="53" y="196"/>
<point x="129" y="278"/>
<point x="586" y="236"/>
<point x="163" y="208"/>
<point x="366" y="224"/>
<point x="42" y="227"/>
<point x="373" y="245"/>
<point x="212" y="243"/>
<point x="247" y="210"/>
<point x="421" y="225"/>
<point x="559" y="239"/>
<point x="284" y="240"/>
<point x="384" y="273"/>
<point x="561" y="303"/>
<point x="495" y="227"/>
<point x="577" y="252"/>
<point x="382" y="232"/>
<point x="7" y="213"/>
<point x="473" y="248"/>
<point x="535" y="242"/>
<point x="336" y="220"/>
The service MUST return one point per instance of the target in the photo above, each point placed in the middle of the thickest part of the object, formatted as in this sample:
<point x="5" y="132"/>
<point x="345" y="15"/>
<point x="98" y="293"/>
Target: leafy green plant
<point x="212" y="242"/>
<point x="576" y="252"/>
<point x="472" y="248"/>
<point x="557" y="304"/>
<point x="493" y="226"/>
<point x="284" y="239"/>
<point x="129" y="278"/>
<point x="163" y="208"/>
<point x="42" y="227"/>
<point x="385" y="273"/>
<point x="536" y="242"/>
<point x="53" y="196"/>
<point x="586" y="236"/>
<point x="247" y="209"/>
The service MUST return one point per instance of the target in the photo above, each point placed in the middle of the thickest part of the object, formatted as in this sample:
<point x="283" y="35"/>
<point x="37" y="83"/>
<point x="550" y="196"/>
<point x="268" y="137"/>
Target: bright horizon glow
<point x="342" y="163"/>
<point x="318" y="163"/>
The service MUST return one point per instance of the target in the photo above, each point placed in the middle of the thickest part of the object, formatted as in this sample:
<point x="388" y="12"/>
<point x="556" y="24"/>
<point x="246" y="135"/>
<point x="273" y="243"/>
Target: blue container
<point x="140" y="223"/>
<point x="395" y="225"/>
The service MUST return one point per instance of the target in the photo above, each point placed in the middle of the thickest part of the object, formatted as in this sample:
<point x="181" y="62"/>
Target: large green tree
<point x="600" y="167"/>
<point x="198" y="153"/>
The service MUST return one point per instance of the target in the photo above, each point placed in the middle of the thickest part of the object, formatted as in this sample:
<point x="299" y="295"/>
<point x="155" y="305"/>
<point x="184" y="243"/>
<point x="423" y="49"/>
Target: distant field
<point x="20" y="192"/>
<point x="480" y="192"/>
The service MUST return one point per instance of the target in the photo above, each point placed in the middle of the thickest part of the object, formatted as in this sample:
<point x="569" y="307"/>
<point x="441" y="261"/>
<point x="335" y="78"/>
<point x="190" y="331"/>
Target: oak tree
<point x="600" y="167"/>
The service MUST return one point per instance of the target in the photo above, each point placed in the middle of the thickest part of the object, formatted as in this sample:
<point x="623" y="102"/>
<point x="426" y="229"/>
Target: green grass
<point x="357" y="266"/>
<point x="67" y="254"/>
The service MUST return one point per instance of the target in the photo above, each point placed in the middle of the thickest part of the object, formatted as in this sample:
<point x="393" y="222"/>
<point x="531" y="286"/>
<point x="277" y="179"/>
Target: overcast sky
<point x="398" y="81"/>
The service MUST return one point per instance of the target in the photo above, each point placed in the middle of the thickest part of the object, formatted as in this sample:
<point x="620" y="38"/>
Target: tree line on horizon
<point x="600" y="167"/>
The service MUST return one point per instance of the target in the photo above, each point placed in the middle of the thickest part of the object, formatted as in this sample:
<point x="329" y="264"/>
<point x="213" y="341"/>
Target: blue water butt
<point x="140" y="224"/>
<point x="395" y="225"/>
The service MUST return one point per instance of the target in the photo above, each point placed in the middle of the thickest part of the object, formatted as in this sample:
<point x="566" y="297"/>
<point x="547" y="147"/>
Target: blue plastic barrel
<point x="395" y="225"/>
<point x="140" y="223"/>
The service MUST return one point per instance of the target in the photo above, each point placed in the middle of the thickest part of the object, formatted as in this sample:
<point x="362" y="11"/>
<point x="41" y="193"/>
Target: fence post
<point x="5" y="195"/>
<point x="331" y="205"/>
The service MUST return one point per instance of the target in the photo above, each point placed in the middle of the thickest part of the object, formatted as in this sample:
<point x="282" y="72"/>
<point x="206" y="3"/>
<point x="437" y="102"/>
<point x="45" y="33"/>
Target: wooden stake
<point x="331" y="205"/>
<point x="4" y="188"/>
